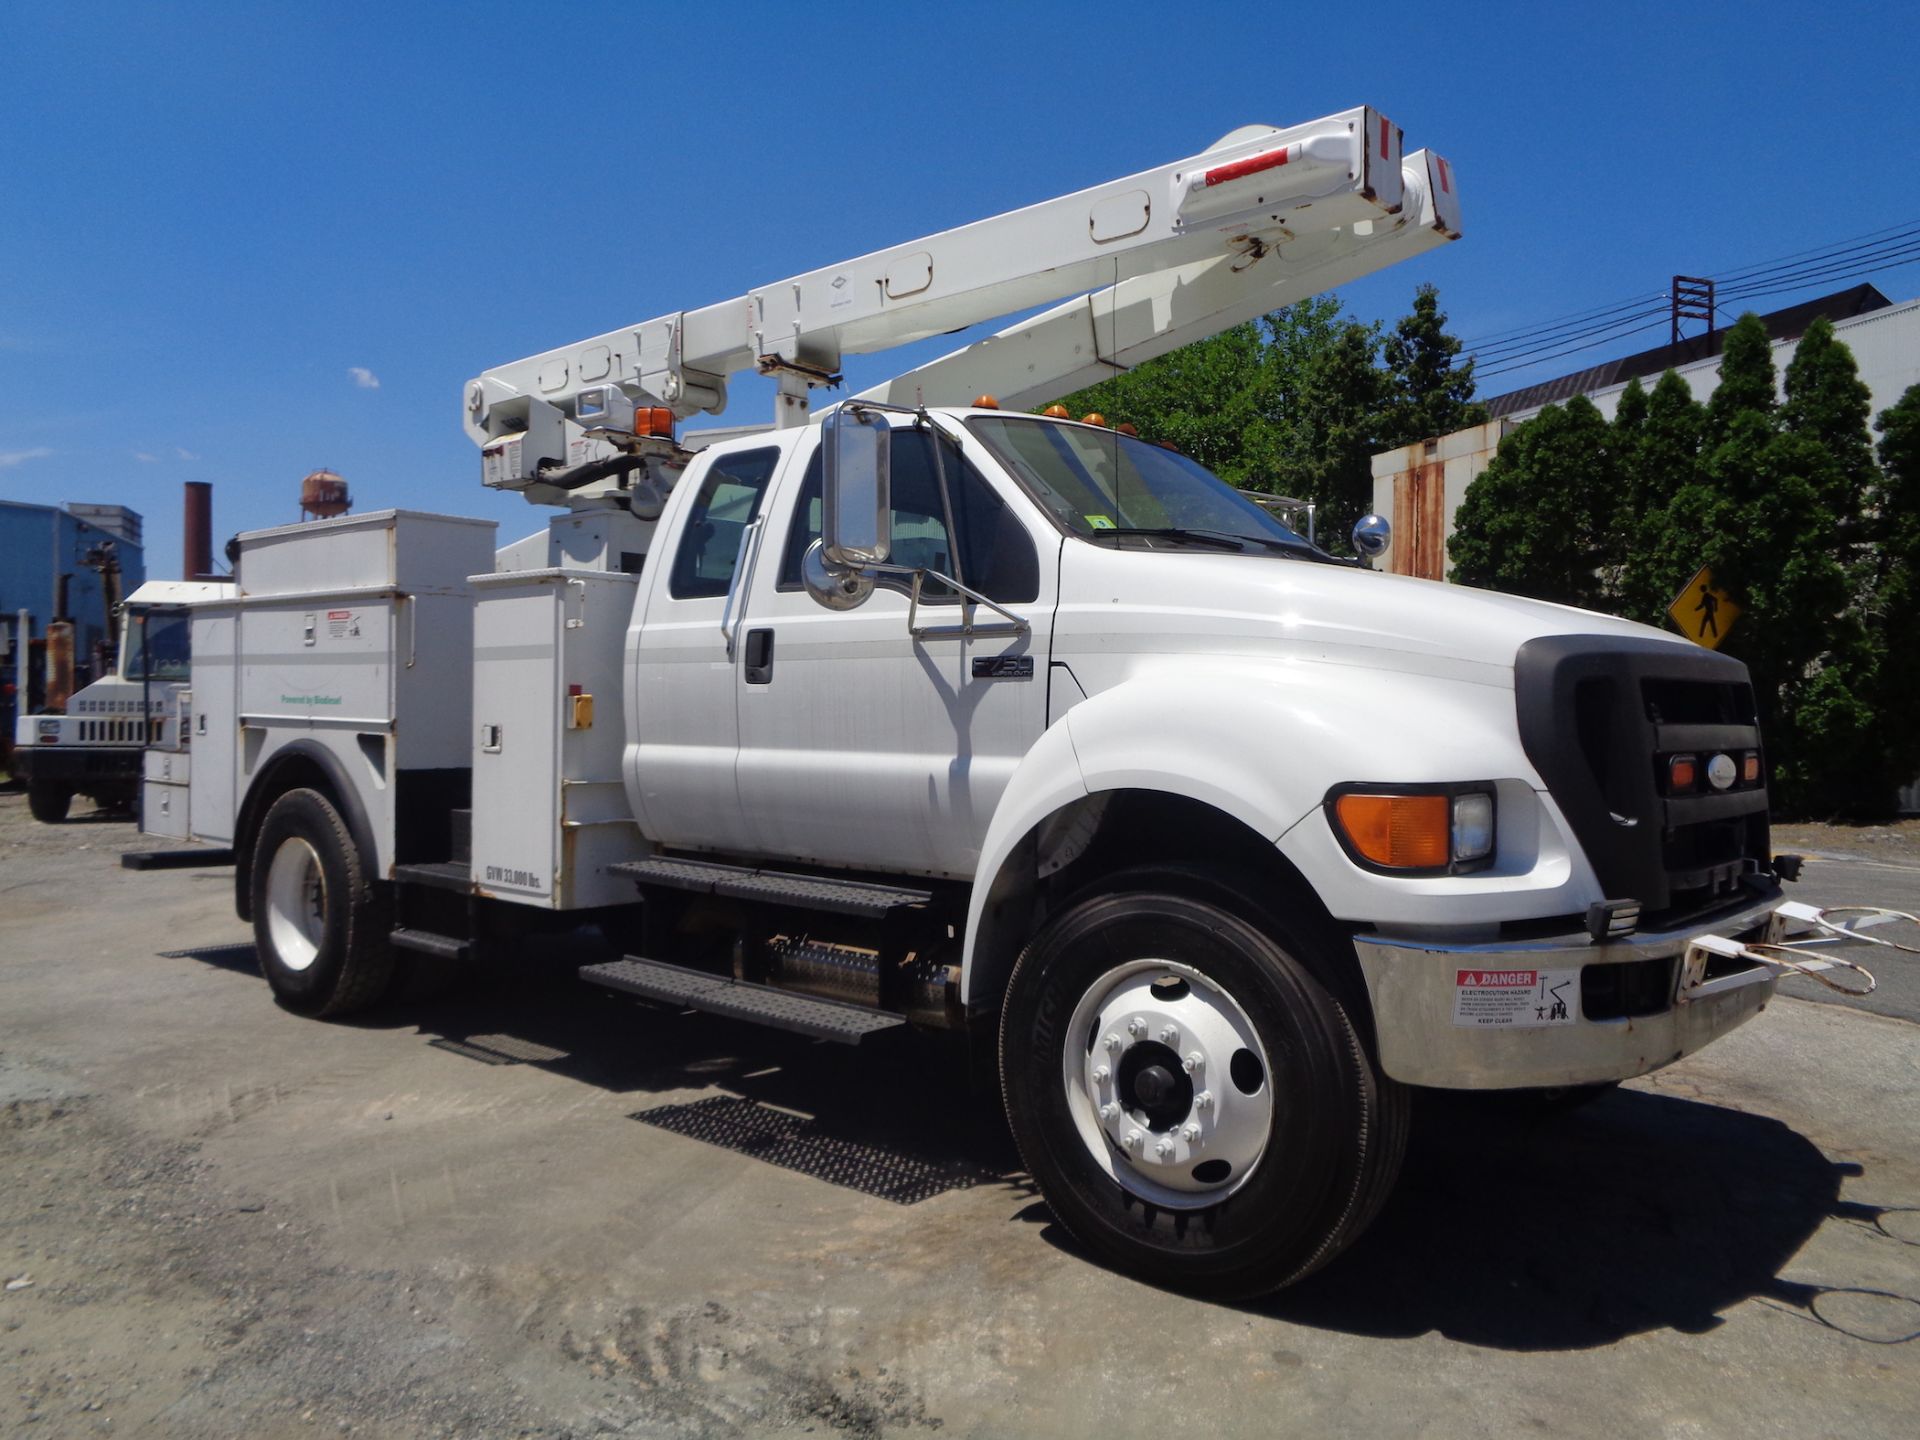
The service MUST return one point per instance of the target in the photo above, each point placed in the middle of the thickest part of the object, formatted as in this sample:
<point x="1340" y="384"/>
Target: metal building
<point x="39" y="544"/>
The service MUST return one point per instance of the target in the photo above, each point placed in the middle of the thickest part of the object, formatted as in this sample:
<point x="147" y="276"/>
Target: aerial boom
<point x="1172" y="254"/>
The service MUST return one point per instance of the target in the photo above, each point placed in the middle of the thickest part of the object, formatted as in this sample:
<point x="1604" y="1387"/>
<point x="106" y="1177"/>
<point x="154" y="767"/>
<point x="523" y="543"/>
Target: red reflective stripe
<point x="1383" y="137"/>
<point x="1446" y="185"/>
<point x="1253" y="165"/>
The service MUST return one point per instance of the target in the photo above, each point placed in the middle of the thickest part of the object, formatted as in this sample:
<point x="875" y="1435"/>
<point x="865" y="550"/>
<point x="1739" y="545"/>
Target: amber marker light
<point x="985" y="402"/>
<point x="1750" y="767"/>
<point x="1125" y="427"/>
<point x="1093" y="417"/>
<point x="1057" y="412"/>
<point x="1400" y="832"/>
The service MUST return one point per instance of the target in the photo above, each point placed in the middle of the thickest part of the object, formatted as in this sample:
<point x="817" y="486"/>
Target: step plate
<point x="439" y="874"/>
<point x="773" y="887"/>
<point x="425" y="942"/>
<point x="740" y="1000"/>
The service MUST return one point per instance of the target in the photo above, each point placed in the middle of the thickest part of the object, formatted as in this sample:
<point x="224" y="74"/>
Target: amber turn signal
<point x="1683" y="773"/>
<point x="1402" y="832"/>
<point x="1750" y="767"/>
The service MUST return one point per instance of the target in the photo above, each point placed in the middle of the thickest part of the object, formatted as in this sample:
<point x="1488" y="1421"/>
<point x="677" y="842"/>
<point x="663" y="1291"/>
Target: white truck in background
<point x="94" y="747"/>
<point x="939" y="714"/>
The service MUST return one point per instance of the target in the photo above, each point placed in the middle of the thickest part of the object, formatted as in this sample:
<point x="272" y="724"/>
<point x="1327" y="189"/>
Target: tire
<point x="48" y="803"/>
<point x="320" y="924"/>
<point x="1230" y="1177"/>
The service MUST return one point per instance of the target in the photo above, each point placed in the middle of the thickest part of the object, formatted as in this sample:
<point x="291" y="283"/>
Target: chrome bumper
<point x="1463" y="1017"/>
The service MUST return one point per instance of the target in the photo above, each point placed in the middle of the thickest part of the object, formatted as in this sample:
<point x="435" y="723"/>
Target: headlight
<point x="1438" y="830"/>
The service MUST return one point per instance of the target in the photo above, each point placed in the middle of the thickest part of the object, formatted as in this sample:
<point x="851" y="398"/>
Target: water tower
<point x="323" y="495"/>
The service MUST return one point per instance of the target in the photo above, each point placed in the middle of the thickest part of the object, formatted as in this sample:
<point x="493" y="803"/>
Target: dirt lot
<point x="537" y="1210"/>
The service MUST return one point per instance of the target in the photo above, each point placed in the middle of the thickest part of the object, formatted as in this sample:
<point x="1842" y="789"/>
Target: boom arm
<point x="1174" y="253"/>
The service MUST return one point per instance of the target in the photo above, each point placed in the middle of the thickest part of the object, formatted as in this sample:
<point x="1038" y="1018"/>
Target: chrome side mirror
<point x="857" y="510"/>
<point x="1371" y="536"/>
<point x="837" y="589"/>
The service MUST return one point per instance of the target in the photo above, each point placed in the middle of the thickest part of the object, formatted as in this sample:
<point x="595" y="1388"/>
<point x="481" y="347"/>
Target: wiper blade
<point x="1218" y="540"/>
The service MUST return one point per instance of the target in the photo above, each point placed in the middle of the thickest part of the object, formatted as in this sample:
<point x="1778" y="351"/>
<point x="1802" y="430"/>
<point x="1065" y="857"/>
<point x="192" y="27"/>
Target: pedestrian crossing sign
<point x="1703" y="611"/>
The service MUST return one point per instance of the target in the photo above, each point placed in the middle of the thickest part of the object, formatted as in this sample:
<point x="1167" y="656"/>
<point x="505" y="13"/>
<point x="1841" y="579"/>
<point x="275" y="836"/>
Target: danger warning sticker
<point x="1516" y="999"/>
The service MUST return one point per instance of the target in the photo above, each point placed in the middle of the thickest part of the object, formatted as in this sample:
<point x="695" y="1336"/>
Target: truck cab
<point x="94" y="748"/>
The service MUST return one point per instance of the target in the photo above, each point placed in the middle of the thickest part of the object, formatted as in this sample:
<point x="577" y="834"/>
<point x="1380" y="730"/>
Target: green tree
<point x="1537" y="520"/>
<point x="1429" y="390"/>
<point x="1205" y="398"/>
<point x="1322" y="408"/>
<point x="1748" y="381"/>
<point x="1828" y="402"/>
<point x="1893" y="611"/>
<point x="1659" y="462"/>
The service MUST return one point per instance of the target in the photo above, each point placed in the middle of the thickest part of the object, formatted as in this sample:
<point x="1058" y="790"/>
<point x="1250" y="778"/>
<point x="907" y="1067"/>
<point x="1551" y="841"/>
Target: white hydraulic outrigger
<point x="1260" y="219"/>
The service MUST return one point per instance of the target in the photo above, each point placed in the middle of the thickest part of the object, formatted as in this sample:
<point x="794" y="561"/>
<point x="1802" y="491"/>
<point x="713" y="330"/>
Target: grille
<point x="1596" y="712"/>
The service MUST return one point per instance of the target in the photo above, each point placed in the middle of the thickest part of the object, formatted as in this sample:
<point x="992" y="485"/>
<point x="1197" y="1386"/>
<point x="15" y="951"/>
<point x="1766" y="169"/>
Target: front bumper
<point x="1465" y="1017"/>
<point x="80" y="766"/>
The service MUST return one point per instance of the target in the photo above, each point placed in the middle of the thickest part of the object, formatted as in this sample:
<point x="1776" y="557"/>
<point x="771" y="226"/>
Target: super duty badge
<point x="1003" y="667"/>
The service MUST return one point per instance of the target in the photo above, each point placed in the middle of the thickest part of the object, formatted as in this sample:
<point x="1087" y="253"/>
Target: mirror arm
<point x="966" y="629"/>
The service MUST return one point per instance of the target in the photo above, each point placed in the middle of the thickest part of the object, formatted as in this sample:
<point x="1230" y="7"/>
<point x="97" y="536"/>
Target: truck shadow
<point x="1638" y="1212"/>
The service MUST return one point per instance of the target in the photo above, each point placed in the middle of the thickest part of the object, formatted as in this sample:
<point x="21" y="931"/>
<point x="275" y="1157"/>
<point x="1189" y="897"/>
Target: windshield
<point x="156" y="649"/>
<point x="1103" y="484"/>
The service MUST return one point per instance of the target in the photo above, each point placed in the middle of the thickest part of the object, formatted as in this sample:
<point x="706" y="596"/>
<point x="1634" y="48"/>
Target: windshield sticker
<point x="1100" y="522"/>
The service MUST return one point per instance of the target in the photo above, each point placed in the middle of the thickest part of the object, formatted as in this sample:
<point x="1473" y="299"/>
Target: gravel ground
<point x="219" y="1220"/>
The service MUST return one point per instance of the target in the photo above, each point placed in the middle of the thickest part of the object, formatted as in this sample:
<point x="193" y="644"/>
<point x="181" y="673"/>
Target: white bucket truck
<point x="942" y="714"/>
<point x="94" y="747"/>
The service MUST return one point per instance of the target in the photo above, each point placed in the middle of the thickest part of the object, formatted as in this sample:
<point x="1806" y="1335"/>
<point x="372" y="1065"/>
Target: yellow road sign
<point x="1703" y="611"/>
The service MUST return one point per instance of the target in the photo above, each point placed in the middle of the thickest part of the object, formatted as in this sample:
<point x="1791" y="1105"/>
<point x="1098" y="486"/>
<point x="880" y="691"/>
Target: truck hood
<point x="1200" y="601"/>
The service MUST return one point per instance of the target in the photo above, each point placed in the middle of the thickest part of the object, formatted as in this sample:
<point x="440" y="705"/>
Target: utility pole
<point x="1692" y="300"/>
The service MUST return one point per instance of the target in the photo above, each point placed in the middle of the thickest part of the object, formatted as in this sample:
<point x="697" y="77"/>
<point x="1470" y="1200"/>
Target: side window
<point x="996" y="552"/>
<point x="728" y="501"/>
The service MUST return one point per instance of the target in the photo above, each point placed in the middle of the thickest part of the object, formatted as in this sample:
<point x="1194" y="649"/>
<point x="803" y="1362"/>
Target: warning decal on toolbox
<point x="1516" y="999"/>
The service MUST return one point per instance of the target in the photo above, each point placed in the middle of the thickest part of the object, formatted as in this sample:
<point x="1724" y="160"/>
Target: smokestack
<point x="197" y="539"/>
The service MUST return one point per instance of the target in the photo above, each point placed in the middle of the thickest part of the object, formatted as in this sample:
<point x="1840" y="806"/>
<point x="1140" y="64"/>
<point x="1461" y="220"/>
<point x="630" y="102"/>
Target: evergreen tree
<point x="1325" y="418"/>
<point x="1893" y="617"/>
<point x="1748" y="383"/>
<point x="1536" y="521"/>
<point x="1828" y="402"/>
<point x="1659" y="459"/>
<point x="1429" y="391"/>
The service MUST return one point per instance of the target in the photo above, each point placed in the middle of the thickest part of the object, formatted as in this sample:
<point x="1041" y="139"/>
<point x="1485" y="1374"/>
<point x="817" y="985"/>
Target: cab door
<point x="683" y="738"/>
<point x="861" y="745"/>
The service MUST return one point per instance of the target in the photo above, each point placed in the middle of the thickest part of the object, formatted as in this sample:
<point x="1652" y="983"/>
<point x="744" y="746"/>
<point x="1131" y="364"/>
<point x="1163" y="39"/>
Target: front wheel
<point x="319" y="922"/>
<point x="1194" y="1103"/>
<point x="48" y="803"/>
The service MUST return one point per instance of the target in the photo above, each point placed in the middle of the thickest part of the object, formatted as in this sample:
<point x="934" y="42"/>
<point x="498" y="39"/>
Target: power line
<point x="1830" y="260"/>
<point x="1529" y="347"/>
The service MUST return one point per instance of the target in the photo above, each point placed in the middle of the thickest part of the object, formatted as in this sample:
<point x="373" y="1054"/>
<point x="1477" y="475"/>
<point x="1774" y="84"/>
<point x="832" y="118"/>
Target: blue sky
<point x="221" y="223"/>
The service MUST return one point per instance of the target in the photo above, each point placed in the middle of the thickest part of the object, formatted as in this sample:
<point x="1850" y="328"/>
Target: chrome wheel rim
<point x="1168" y="1084"/>
<point x="296" y="904"/>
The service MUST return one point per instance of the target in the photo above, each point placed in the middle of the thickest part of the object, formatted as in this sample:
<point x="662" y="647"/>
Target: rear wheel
<point x="319" y="922"/>
<point x="1192" y="1100"/>
<point x="48" y="803"/>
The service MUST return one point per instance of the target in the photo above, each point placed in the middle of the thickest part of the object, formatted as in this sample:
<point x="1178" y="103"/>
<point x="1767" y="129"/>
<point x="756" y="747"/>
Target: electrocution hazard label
<point x="1516" y="999"/>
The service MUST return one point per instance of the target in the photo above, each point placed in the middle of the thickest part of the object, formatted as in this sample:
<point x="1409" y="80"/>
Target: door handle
<point x="759" y="658"/>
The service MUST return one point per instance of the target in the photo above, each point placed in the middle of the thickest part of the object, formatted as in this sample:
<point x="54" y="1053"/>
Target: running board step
<point x="741" y="1000"/>
<point x="425" y="942"/>
<point x="773" y="887"/>
<point x="439" y="874"/>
